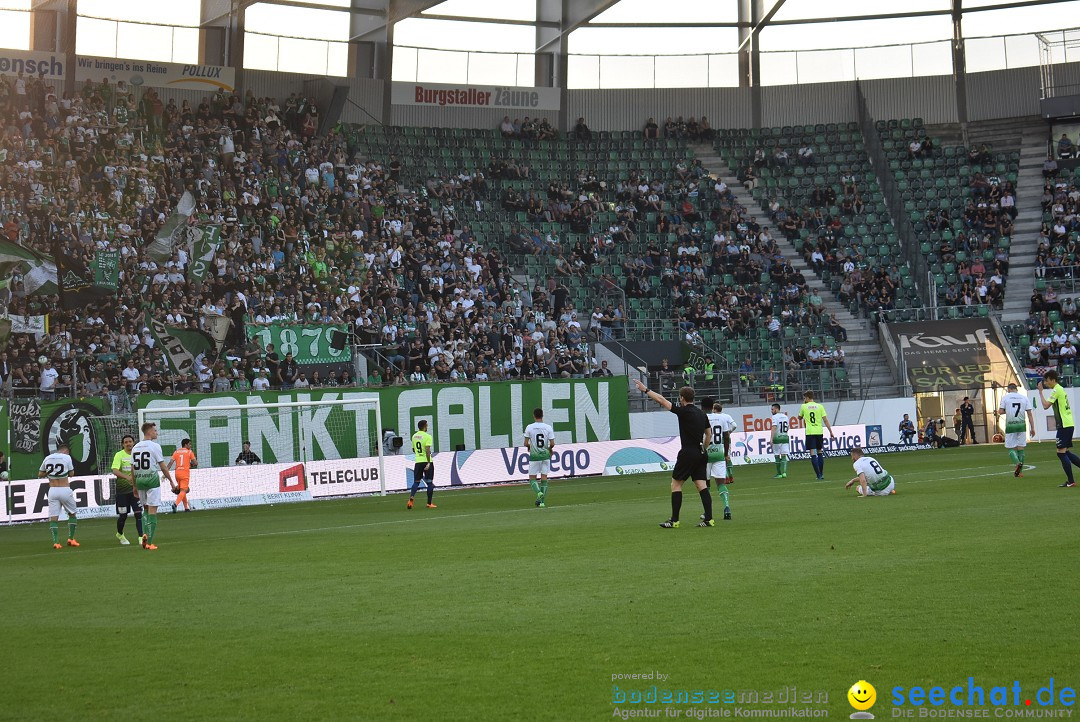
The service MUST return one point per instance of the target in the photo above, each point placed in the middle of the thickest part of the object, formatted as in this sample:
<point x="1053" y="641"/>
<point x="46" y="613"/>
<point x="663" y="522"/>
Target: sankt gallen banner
<point x="477" y="416"/>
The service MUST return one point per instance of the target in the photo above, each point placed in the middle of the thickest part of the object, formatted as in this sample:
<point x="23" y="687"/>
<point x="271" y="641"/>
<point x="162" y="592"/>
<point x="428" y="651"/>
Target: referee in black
<point x="695" y="435"/>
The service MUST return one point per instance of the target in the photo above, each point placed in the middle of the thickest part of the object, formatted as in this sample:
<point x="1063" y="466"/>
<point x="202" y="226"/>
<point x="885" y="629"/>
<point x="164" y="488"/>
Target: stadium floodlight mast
<point x="358" y="405"/>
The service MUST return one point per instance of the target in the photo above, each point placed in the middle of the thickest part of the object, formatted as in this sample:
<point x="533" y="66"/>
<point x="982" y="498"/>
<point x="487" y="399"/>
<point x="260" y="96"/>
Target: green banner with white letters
<point x="309" y="343"/>
<point x="476" y="416"/>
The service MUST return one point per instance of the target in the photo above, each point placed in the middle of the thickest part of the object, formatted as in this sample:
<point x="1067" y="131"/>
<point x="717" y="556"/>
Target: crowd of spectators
<point x="1053" y="343"/>
<point x="734" y="279"/>
<point x="1058" y="249"/>
<point x="980" y="261"/>
<point x="534" y="130"/>
<point x="690" y="129"/>
<point x="821" y="220"/>
<point x="311" y="233"/>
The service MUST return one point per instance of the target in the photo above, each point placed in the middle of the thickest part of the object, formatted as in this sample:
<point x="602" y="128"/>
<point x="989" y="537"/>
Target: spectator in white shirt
<point x="49" y="377"/>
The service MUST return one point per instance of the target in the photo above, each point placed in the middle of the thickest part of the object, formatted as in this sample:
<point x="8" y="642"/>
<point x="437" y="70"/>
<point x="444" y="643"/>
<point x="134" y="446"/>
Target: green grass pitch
<point x="488" y="608"/>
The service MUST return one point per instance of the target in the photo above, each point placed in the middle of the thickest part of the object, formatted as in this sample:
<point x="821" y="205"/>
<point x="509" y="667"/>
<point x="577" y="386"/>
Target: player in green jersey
<point x="126" y="500"/>
<point x="813" y="416"/>
<point x="1063" y="416"/>
<point x="539" y="440"/>
<point x="1015" y="406"/>
<point x="425" y="465"/>
<point x="146" y="461"/>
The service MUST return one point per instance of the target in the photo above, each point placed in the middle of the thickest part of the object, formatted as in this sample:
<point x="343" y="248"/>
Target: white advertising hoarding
<point x="474" y="96"/>
<point x="155" y="74"/>
<point x="48" y="66"/>
<point x="885" y="413"/>
<point x="133" y="71"/>
<point x="231" y="486"/>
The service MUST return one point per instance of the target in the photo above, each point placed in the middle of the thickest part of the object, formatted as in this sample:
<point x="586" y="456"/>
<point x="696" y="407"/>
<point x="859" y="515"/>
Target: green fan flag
<point x="180" y="345"/>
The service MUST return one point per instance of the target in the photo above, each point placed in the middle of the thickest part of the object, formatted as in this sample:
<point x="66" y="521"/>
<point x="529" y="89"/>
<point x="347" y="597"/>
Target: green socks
<point x="779" y="465"/>
<point x="151" y="527"/>
<point x="783" y="465"/>
<point x="724" y="495"/>
<point x="1023" y="455"/>
<point x="535" y="486"/>
<point x="54" y="529"/>
<point x="72" y="523"/>
<point x="543" y="490"/>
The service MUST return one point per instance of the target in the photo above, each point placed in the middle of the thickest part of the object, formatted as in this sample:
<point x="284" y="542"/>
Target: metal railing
<point x="894" y="204"/>
<point x="850" y="382"/>
<point x="1060" y="278"/>
<point x="719" y="70"/>
<point x="936" y="313"/>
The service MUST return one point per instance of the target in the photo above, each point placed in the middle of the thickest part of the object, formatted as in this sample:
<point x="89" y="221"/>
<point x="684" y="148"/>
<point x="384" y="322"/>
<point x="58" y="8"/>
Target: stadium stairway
<point x="862" y="347"/>
<point x="1028" y="222"/>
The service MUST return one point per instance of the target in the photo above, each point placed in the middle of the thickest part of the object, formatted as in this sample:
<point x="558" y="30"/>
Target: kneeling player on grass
<point x="1014" y="405"/>
<point x="126" y="500"/>
<point x="59" y="468"/>
<point x="146" y="459"/>
<point x="719" y="451"/>
<point x="872" y="479"/>
<point x="539" y="440"/>
<point x="780" y="441"/>
<point x="425" y="465"/>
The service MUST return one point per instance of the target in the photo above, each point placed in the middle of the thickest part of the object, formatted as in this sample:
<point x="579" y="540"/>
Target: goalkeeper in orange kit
<point x="183" y="462"/>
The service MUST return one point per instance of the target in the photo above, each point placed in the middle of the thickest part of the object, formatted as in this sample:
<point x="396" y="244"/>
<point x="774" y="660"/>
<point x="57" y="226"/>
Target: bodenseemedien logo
<point x="862" y="697"/>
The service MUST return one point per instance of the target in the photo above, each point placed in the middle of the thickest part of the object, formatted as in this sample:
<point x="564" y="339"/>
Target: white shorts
<point x="150" y="497"/>
<point x="61" y="496"/>
<point x="781" y="449"/>
<point x="718" y="470"/>
<point x="884" y="492"/>
<point x="1016" y="441"/>
<point x="540" y="468"/>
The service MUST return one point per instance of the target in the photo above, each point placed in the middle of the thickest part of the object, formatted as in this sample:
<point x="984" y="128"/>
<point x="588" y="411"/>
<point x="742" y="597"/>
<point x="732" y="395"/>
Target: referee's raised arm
<point x="652" y="394"/>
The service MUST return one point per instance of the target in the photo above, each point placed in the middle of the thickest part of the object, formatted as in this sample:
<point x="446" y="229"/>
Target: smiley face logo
<point x="862" y="695"/>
